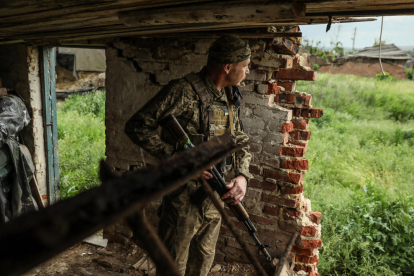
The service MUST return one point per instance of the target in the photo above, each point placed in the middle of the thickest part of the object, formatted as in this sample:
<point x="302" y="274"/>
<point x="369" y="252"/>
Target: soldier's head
<point x="230" y="56"/>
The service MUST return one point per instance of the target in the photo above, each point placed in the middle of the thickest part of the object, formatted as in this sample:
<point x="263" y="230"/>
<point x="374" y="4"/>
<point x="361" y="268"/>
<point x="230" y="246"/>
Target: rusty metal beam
<point x="35" y="237"/>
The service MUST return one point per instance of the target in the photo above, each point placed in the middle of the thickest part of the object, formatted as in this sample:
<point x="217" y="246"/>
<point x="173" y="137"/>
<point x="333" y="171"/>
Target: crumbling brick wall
<point x="274" y="115"/>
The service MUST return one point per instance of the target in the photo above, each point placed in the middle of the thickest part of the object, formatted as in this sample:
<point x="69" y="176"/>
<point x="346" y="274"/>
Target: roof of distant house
<point x="389" y="51"/>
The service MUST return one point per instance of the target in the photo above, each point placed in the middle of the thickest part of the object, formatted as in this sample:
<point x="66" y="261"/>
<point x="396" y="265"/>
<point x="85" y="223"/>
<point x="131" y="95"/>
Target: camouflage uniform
<point x="189" y="231"/>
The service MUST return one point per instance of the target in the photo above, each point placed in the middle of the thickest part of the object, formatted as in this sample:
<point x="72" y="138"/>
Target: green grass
<point x="361" y="174"/>
<point x="81" y="132"/>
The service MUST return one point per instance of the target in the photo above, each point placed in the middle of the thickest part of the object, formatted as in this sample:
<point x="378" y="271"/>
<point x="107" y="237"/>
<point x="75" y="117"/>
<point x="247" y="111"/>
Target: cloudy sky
<point x="397" y="29"/>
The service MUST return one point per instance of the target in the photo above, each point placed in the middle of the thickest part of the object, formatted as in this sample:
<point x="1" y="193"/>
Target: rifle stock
<point x="217" y="183"/>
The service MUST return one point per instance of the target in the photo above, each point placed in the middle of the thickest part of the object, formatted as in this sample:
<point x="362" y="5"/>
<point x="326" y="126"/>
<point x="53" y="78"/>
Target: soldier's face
<point x="238" y="72"/>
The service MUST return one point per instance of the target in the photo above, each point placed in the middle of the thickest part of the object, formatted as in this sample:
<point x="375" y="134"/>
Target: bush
<point x="315" y="67"/>
<point x="372" y="235"/>
<point x="409" y="74"/>
<point x="81" y="132"/>
<point x="386" y="77"/>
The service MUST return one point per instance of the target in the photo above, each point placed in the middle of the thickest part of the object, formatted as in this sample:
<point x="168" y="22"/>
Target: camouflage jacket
<point x="180" y="99"/>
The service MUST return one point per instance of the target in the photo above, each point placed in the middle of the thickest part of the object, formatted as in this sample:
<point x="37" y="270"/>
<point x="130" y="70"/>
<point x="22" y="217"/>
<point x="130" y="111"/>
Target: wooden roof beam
<point x="363" y="13"/>
<point x="222" y="13"/>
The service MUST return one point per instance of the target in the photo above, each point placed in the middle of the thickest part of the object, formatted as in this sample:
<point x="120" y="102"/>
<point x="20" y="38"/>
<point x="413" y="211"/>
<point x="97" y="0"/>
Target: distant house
<point x="366" y="63"/>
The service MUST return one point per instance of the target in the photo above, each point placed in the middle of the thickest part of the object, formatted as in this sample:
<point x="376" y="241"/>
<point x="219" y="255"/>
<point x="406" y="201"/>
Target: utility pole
<point x="353" y="40"/>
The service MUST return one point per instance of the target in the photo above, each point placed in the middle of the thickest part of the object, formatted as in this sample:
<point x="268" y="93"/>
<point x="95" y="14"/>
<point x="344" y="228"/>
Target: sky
<point x="398" y="30"/>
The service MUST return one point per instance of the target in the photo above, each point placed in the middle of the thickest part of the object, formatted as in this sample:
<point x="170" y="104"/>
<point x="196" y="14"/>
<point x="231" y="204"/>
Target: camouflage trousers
<point x="189" y="231"/>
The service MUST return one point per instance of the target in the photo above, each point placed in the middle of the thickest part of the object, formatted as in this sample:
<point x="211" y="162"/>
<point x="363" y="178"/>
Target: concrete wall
<point x="20" y="71"/>
<point x="275" y="117"/>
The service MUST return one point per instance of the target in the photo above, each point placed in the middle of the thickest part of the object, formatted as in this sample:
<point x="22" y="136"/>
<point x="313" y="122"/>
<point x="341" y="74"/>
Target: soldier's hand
<point x="237" y="190"/>
<point x="206" y="175"/>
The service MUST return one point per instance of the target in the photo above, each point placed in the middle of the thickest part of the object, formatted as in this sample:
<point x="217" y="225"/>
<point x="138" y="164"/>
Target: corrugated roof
<point x="389" y="51"/>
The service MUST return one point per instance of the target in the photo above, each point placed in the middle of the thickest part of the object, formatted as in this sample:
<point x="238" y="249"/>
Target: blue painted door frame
<point x="48" y="62"/>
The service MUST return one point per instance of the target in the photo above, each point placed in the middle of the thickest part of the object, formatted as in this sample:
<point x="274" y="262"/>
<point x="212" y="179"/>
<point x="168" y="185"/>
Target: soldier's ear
<point x="227" y="68"/>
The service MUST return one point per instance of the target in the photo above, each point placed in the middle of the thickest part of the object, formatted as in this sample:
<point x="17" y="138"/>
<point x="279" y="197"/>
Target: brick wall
<point x="274" y="115"/>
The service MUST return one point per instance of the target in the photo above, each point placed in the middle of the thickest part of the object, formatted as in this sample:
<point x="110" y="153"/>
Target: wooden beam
<point x="102" y="35"/>
<point x="225" y="12"/>
<point x="299" y="9"/>
<point x="15" y="11"/>
<point x="363" y="13"/>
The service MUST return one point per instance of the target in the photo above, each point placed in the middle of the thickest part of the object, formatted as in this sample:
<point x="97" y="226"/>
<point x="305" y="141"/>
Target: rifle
<point x="217" y="183"/>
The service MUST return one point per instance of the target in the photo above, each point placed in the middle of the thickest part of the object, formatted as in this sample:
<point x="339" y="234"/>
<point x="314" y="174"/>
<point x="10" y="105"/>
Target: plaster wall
<point x="20" y="71"/>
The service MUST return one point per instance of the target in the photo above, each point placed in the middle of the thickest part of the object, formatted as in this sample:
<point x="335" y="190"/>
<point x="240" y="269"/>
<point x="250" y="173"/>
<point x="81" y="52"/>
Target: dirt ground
<point x="116" y="259"/>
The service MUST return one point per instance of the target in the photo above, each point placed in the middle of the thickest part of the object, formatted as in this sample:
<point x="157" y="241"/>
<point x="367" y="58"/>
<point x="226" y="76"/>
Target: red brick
<point x="296" y="60"/>
<point x="295" y="178"/>
<point x="262" y="184"/>
<point x="287" y="202"/>
<point x="307" y="252"/>
<point x="288" y="190"/>
<point x="254" y="169"/>
<point x="301" y="134"/>
<point x="306" y="259"/>
<point x="287" y="127"/>
<point x="316" y="113"/>
<point x="285" y="98"/>
<point x="291" y="228"/>
<point x="299" y="267"/>
<point x="297" y="112"/>
<point x="262" y="220"/>
<point x="288" y="64"/>
<point x="313" y="274"/>
<point x="301" y="123"/>
<point x="310" y="244"/>
<point x="305" y="113"/>
<point x="271" y="211"/>
<point x="290" y="214"/>
<point x="44" y="197"/>
<point x="272" y="88"/>
<point x="292" y="151"/>
<point x="308" y="231"/>
<point x="286" y="46"/>
<point x="296" y="143"/>
<point x="303" y="100"/>
<point x="295" y="74"/>
<point x="294" y="164"/>
<point x="315" y="217"/>
<point x="288" y="86"/>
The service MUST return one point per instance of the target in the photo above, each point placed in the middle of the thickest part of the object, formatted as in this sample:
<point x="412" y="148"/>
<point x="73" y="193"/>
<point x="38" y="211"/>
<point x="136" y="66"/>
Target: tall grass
<point x="81" y="132"/>
<point x="362" y="174"/>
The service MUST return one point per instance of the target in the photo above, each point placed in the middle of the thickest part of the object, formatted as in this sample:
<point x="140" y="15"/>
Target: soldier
<point x="206" y="104"/>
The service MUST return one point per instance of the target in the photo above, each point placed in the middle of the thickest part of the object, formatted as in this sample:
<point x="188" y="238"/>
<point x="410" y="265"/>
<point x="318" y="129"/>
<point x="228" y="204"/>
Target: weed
<point x="81" y="132"/>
